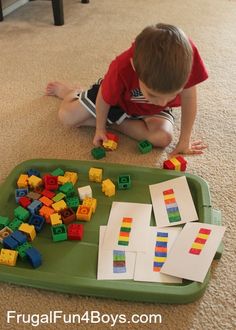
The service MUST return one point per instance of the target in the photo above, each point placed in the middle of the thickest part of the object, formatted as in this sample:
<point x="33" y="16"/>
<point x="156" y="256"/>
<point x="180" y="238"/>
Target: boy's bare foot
<point x="59" y="89"/>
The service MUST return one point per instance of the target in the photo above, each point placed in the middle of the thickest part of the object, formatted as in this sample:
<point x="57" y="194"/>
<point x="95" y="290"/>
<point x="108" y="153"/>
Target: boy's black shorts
<point x="116" y="114"/>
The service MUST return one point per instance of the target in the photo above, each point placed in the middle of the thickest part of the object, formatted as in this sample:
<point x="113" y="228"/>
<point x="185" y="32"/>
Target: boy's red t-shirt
<point x="120" y="85"/>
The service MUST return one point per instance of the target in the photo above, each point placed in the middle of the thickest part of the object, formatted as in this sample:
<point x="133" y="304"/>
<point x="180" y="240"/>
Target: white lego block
<point x="85" y="191"/>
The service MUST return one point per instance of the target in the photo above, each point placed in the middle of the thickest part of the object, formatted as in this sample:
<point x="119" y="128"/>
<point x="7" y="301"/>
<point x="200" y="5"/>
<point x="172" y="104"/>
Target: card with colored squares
<point x="172" y="202"/>
<point x="193" y="251"/>
<point x="127" y="227"/>
<point x="149" y="263"/>
<point x="114" y="264"/>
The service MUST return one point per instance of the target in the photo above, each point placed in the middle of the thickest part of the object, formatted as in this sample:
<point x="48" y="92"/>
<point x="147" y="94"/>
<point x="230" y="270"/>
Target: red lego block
<point x="112" y="137"/>
<point x="75" y="232"/>
<point x="50" y="182"/>
<point x="47" y="193"/>
<point x="205" y="231"/>
<point x="168" y="165"/>
<point x="183" y="163"/>
<point x="67" y="215"/>
<point x="24" y="201"/>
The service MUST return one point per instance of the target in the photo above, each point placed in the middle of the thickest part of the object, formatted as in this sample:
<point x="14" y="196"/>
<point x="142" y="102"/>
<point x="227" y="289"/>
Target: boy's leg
<point x="71" y="111"/>
<point x="157" y="130"/>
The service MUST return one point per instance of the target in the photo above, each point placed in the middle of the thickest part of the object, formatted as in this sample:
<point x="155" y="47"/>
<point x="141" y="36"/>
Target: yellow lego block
<point x="62" y="179"/>
<point x="126" y="224"/>
<point x="197" y="246"/>
<point x="162" y="239"/>
<point x="72" y="176"/>
<point x="108" y="187"/>
<point x="176" y="163"/>
<point x="22" y="182"/>
<point x="58" y="206"/>
<point x="160" y="259"/>
<point x="124" y="238"/>
<point x="29" y="230"/>
<point x="8" y="257"/>
<point x="84" y="213"/>
<point x="95" y="174"/>
<point x="34" y="181"/>
<point x="203" y="236"/>
<point x="92" y="202"/>
<point x="55" y="219"/>
<point x="171" y="196"/>
<point x="110" y="145"/>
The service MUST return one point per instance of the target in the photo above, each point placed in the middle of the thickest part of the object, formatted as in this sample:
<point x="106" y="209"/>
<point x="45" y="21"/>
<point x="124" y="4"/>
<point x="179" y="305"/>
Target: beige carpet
<point x="33" y="51"/>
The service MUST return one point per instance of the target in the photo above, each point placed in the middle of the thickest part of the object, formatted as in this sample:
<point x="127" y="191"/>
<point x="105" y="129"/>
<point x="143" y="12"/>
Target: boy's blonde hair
<point x="163" y="58"/>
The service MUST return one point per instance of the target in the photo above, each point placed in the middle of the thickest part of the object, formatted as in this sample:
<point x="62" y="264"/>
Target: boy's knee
<point x="162" y="140"/>
<point x="66" y="116"/>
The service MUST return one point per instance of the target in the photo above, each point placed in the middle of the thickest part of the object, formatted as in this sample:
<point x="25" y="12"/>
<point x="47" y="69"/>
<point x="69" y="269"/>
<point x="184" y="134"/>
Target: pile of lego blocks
<point x="175" y="163"/>
<point x="52" y="200"/>
<point x="109" y="145"/>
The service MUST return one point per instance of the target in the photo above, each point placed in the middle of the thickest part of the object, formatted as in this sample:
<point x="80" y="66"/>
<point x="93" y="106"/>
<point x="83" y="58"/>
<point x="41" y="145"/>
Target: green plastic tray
<point x="71" y="266"/>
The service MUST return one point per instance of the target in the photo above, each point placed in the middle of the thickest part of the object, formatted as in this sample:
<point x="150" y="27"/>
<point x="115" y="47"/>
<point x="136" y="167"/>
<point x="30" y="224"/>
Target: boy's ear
<point x="132" y="63"/>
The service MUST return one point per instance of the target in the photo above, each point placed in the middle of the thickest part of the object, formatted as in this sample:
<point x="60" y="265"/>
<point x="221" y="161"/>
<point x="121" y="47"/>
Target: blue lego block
<point x="35" y="206"/>
<point x="34" y="257"/>
<point x="21" y="192"/>
<point x="33" y="171"/>
<point x="37" y="221"/>
<point x="10" y="243"/>
<point x="18" y="236"/>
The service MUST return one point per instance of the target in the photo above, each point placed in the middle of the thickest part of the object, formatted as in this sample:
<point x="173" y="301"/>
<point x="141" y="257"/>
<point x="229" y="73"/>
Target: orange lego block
<point x="46" y="201"/>
<point x="45" y="212"/>
<point x="84" y="213"/>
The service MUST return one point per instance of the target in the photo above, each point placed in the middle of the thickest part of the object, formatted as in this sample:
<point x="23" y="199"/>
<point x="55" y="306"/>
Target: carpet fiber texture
<point x="33" y="51"/>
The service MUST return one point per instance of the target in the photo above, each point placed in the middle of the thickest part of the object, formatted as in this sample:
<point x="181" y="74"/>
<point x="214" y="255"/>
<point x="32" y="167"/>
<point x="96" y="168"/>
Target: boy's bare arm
<point x="102" y="109"/>
<point x="188" y="115"/>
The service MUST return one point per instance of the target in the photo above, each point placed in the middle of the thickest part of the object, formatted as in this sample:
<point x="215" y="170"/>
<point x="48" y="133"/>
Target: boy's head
<point x="163" y="58"/>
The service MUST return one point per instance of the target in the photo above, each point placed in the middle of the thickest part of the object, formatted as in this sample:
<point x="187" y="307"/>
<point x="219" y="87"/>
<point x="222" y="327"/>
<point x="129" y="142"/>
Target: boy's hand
<point x="195" y="148"/>
<point x="99" y="138"/>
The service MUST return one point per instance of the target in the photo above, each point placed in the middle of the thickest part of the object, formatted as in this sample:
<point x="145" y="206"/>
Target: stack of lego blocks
<point x="52" y="200"/>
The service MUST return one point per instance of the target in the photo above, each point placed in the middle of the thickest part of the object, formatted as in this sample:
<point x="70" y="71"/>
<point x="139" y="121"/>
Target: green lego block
<point x="58" y="197"/>
<point x="125" y="229"/>
<point x="73" y="202"/>
<point x="98" y="152"/>
<point x="4" y="221"/>
<point x="15" y="224"/>
<point x="58" y="172"/>
<point x="123" y="243"/>
<point x="174" y="218"/>
<point x="22" y="250"/>
<point x="124" y="182"/>
<point x="21" y="213"/>
<point x="145" y="146"/>
<point x="67" y="189"/>
<point x="59" y="233"/>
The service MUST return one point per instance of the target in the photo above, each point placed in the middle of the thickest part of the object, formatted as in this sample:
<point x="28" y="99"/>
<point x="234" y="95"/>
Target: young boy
<point x="158" y="72"/>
